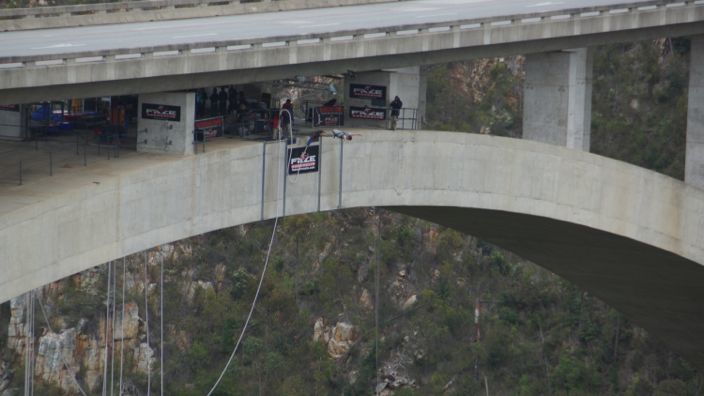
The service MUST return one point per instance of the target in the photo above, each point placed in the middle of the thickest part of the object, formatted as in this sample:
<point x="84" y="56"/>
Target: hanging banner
<point x="328" y="116"/>
<point x="303" y="159"/>
<point x="210" y="127"/>
<point x="367" y="113"/>
<point x="363" y="91"/>
<point x="161" y="112"/>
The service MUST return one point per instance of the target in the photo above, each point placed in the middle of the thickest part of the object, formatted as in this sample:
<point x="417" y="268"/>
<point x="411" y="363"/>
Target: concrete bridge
<point x="138" y="58"/>
<point x="630" y="236"/>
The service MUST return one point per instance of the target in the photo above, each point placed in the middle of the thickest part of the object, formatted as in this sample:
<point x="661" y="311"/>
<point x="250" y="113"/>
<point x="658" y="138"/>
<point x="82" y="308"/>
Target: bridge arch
<point x="630" y="236"/>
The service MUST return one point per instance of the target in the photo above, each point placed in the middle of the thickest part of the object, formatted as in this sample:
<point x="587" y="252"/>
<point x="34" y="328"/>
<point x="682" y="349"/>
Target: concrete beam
<point x="14" y="19"/>
<point x="694" y="156"/>
<point x="344" y="50"/>
<point x="557" y="98"/>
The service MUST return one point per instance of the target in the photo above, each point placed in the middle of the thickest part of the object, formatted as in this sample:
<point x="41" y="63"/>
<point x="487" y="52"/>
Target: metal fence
<point x="30" y="160"/>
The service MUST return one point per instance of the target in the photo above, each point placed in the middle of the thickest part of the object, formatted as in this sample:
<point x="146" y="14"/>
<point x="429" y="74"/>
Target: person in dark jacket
<point x="222" y="100"/>
<point x="396" y="106"/>
<point x="214" y="98"/>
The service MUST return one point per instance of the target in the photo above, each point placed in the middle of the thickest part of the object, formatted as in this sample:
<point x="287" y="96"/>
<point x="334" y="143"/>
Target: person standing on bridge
<point x="396" y="106"/>
<point x="214" y="98"/>
<point x="222" y="97"/>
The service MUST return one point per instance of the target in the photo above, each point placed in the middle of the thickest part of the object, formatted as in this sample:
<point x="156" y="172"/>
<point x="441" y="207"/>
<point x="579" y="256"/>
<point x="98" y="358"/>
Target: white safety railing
<point x="410" y="30"/>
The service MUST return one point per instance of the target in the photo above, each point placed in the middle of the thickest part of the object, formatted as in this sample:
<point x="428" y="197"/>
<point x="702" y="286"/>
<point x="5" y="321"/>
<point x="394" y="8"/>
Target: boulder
<point x="344" y="336"/>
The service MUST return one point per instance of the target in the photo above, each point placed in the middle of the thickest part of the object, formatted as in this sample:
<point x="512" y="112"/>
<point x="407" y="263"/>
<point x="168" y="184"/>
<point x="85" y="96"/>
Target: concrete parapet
<point x="13" y="19"/>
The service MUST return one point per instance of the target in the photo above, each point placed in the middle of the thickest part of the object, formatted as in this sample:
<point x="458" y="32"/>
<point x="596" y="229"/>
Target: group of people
<point x="221" y="101"/>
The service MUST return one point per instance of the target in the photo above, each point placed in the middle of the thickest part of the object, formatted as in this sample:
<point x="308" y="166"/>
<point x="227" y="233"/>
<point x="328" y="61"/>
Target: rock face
<point x="16" y="330"/>
<point x="365" y="300"/>
<point x="344" y="336"/>
<point x="144" y="358"/>
<point x="339" y="338"/>
<point x="55" y="359"/>
<point x="93" y="357"/>
<point x="129" y="328"/>
<point x="4" y="376"/>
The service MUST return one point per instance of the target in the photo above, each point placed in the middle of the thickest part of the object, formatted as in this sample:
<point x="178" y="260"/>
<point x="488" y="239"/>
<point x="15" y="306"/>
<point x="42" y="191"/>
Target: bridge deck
<point x="68" y="169"/>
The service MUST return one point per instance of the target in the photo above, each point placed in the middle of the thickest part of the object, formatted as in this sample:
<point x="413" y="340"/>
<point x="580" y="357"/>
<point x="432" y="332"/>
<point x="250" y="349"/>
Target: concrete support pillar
<point x="373" y="91"/>
<point x="165" y="123"/>
<point x="557" y="103"/>
<point x="694" y="154"/>
<point x="13" y="122"/>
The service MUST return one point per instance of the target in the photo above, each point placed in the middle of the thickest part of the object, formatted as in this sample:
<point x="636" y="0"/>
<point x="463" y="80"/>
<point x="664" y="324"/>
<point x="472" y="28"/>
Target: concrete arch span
<point x="628" y="235"/>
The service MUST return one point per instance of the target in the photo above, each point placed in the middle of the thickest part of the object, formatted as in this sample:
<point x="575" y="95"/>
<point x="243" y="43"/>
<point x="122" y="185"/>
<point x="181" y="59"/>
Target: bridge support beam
<point x="165" y="123"/>
<point x="694" y="154"/>
<point x="557" y="101"/>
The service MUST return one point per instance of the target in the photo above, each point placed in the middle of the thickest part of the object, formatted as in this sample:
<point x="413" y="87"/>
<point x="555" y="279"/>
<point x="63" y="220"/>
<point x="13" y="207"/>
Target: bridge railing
<point x="21" y="162"/>
<point x="408" y="30"/>
<point x="145" y="10"/>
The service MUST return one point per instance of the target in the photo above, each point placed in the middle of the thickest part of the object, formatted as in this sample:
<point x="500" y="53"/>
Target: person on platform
<point x="233" y="104"/>
<point x="214" y="98"/>
<point x="222" y="101"/>
<point x="396" y="106"/>
<point x="286" y="116"/>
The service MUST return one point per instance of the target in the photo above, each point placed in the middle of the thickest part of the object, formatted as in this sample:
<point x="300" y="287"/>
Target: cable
<point x="73" y="374"/>
<point x="112" y="333"/>
<point x="161" y="328"/>
<point x="256" y="294"/>
<point x="376" y="302"/>
<point x="122" y="323"/>
<point x="107" y="319"/>
<point x="31" y="344"/>
<point x="26" y="351"/>
<point x="146" y="324"/>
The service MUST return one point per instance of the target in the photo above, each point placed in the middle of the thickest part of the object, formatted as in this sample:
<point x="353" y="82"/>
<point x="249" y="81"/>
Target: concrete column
<point x="380" y="88"/>
<point x="165" y="123"/>
<point x="557" y="102"/>
<point x="694" y="154"/>
<point x="12" y="122"/>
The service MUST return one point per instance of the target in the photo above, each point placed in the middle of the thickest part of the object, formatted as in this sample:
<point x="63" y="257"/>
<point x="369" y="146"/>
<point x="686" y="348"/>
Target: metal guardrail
<point x="40" y="157"/>
<point x="339" y="36"/>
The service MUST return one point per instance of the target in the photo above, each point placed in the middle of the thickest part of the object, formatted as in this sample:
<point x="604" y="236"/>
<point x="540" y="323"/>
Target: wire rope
<point x="259" y="286"/>
<point x="107" y="320"/>
<point x="122" y="324"/>
<point x="112" y="332"/>
<point x="161" y="328"/>
<point x="376" y="302"/>
<point x="146" y="324"/>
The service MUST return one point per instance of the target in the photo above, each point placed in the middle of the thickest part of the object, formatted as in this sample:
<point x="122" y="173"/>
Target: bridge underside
<point x="658" y="290"/>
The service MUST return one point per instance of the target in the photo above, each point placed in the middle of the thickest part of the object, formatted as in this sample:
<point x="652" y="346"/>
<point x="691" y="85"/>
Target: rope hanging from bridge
<point x="112" y="331"/>
<point x="376" y="302"/>
<point x="146" y="324"/>
<point x="107" y="320"/>
<point x="122" y="324"/>
<point x="161" y="327"/>
<point x="283" y="172"/>
<point x="29" y="345"/>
